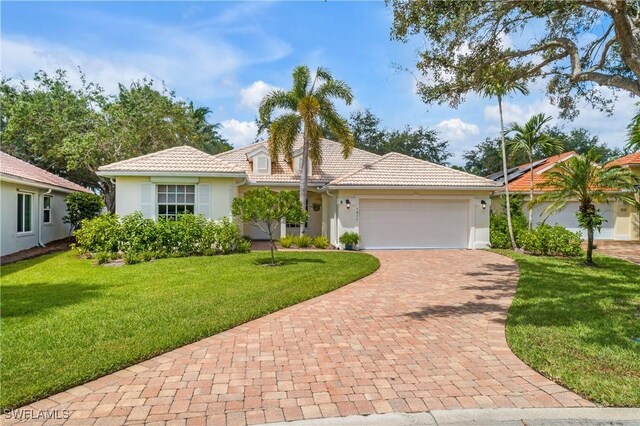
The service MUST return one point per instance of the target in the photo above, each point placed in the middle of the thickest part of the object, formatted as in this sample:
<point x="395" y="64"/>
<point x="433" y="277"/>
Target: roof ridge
<point x="347" y="175"/>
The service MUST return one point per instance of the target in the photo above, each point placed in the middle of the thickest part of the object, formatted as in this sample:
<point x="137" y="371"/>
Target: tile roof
<point x="178" y="159"/>
<point x="333" y="164"/>
<point x="522" y="183"/>
<point x="399" y="170"/>
<point x="14" y="167"/>
<point x="627" y="160"/>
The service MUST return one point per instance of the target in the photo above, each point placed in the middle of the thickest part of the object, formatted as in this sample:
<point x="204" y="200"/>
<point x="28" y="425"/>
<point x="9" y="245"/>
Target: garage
<point x="411" y="223"/>
<point x="567" y="218"/>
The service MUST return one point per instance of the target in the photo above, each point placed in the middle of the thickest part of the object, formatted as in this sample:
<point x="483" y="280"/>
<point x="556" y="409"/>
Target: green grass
<point x="66" y="321"/>
<point x="575" y="325"/>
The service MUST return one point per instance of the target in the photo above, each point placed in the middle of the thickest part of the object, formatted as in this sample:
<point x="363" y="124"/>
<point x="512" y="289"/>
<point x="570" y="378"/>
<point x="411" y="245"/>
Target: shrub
<point x="320" y="242"/>
<point x="140" y="240"/>
<point x="499" y="231"/>
<point x="82" y="206"/>
<point x="101" y="234"/>
<point x="551" y="241"/>
<point x="303" y="241"/>
<point x="287" y="241"/>
<point x="103" y="257"/>
<point x="350" y="238"/>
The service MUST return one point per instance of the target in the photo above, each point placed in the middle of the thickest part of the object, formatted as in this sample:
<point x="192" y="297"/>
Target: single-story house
<point x="392" y="201"/>
<point x="621" y="220"/>
<point x="628" y="221"/>
<point x="33" y="204"/>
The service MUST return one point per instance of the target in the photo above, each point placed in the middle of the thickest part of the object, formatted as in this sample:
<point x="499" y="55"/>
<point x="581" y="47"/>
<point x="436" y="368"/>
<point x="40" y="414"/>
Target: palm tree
<point x="306" y="108"/>
<point x="580" y="178"/>
<point x="528" y="139"/>
<point x="634" y="131"/>
<point x="502" y="83"/>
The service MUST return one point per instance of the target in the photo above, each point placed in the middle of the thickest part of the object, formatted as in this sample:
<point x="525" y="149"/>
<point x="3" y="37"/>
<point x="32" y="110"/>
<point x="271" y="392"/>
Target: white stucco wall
<point x="11" y="241"/>
<point x="219" y="191"/>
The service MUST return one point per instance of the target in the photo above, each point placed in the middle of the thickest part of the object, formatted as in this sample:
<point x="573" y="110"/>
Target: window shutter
<point x="204" y="196"/>
<point x="146" y="200"/>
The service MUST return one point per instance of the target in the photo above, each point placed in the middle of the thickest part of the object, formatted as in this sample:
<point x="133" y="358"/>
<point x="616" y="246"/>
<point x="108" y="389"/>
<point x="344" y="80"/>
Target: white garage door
<point x="567" y="218"/>
<point x="413" y="224"/>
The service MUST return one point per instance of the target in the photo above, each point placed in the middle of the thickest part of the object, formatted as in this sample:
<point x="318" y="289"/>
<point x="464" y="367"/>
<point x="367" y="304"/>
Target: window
<point x="176" y="199"/>
<point x="24" y="212"/>
<point x="261" y="165"/>
<point x="46" y="209"/>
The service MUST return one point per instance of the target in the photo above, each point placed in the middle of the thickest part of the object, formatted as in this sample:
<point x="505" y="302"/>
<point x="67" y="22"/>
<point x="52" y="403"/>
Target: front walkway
<point x="627" y="250"/>
<point x="424" y="332"/>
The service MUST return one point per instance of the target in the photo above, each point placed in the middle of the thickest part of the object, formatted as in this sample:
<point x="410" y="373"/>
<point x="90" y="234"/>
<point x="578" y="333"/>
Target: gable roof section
<point x="180" y="159"/>
<point x="399" y="170"/>
<point x="628" y="160"/>
<point x="522" y="182"/>
<point x="12" y="167"/>
<point x="333" y="164"/>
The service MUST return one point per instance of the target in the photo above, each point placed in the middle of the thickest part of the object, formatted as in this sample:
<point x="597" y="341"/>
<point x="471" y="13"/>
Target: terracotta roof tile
<point x="178" y="159"/>
<point x="14" y="167"/>
<point x="522" y="183"/>
<point x="401" y="170"/>
<point x="631" y="159"/>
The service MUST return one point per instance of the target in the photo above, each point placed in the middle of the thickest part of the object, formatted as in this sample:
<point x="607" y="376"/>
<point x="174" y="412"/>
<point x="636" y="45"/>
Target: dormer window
<point x="296" y="165"/>
<point x="261" y="161"/>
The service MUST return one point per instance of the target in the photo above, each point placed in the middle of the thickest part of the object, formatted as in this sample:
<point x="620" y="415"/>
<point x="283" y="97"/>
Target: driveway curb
<point x="497" y="416"/>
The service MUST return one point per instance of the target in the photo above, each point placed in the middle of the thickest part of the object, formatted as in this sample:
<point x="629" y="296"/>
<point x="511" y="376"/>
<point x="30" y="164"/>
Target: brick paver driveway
<point x="424" y="332"/>
<point x="628" y="250"/>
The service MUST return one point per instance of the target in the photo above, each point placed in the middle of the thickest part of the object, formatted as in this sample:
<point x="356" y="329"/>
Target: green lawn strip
<point x="575" y="324"/>
<point x="66" y="321"/>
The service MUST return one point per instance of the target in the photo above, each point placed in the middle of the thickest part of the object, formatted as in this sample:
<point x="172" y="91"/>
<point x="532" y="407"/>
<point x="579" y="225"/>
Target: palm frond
<point x="282" y="135"/>
<point x="337" y="89"/>
<point x="301" y="80"/>
<point x="276" y="99"/>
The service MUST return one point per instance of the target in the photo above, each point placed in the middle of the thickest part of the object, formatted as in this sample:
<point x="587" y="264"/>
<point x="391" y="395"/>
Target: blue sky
<point x="226" y="55"/>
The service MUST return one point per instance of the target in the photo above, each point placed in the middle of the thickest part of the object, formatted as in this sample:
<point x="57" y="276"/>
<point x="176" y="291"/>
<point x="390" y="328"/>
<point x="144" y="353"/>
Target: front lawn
<point x="575" y="325"/>
<point x="66" y="321"/>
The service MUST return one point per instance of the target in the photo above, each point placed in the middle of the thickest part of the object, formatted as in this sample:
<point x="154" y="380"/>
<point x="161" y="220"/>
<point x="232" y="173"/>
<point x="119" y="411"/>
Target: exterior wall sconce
<point x="348" y="204"/>
<point x="483" y="203"/>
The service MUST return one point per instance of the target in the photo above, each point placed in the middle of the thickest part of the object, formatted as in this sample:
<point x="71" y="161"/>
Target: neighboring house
<point x="628" y="221"/>
<point x="392" y="201"/>
<point x="32" y="205"/>
<point x="617" y="214"/>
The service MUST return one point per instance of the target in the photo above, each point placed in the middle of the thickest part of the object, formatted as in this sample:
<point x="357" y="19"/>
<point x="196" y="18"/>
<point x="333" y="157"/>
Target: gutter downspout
<point x="40" y="216"/>
<point x="334" y="229"/>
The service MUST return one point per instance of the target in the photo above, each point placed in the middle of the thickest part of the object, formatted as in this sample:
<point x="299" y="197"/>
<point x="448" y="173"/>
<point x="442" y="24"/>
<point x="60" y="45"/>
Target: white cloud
<point x="251" y="96"/>
<point x="455" y="129"/>
<point x="239" y="133"/>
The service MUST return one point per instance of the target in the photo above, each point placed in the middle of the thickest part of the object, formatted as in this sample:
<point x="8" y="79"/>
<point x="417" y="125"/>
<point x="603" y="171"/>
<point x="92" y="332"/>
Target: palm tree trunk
<point x="304" y="175"/>
<point x="589" y="261"/>
<point x="506" y="181"/>
<point x="531" y="193"/>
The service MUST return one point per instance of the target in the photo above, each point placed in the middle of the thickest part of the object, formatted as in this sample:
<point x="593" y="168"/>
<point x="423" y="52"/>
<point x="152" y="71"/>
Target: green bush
<point x="303" y="241"/>
<point x="82" y="206"/>
<point x="139" y="240"/>
<point x="350" y="238"/>
<point x="101" y="234"/>
<point x="499" y="231"/>
<point x="103" y="257"/>
<point x="287" y="241"/>
<point x="320" y="242"/>
<point x="551" y="241"/>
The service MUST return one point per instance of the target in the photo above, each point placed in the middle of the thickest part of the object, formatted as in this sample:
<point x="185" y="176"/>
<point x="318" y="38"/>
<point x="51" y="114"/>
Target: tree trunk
<point x="304" y="174"/>
<point x="272" y="244"/>
<point x="531" y="193"/>
<point x="589" y="261"/>
<point x="506" y="181"/>
<point x="108" y="189"/>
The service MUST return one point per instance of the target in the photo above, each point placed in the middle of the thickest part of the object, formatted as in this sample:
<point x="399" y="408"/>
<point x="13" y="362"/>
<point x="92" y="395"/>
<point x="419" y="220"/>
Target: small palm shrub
<point x="303" y="241"/>
<point x="320" y="242"/>
<point x="287" y="241"/>
<point x="548" y="240"/>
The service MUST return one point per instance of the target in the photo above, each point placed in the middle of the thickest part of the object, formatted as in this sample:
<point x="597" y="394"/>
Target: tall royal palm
<point x="528" y="139"/>
<point x="501" y="84"/>
<point x="307" y="108"/>
<point x="581" y="179"/>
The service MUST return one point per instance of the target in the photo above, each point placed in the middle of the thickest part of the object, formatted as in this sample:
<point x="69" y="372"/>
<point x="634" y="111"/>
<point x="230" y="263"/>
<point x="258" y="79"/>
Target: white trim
<point x="418" y="196"/>
<point x="416" y="187"/>
<point x="107" y="173"/>
<point x="257" y="151"/>
<point x="50" y="197"/>
<point x="31" y="231"/>
<point x="35" y="184"/>
<point x="552" y="165"/>
<point x="174" y="180"/>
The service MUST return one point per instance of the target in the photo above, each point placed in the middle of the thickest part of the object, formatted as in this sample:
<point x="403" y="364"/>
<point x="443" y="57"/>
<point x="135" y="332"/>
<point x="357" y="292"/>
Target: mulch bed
<point x="52" y="247"/>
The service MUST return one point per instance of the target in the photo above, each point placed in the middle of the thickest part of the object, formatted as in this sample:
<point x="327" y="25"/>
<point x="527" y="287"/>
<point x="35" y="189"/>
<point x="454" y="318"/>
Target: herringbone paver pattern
<point x="424" y="332"/>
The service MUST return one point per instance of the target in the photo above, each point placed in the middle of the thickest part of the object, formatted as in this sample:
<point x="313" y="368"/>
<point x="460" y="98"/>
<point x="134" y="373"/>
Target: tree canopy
<point x="418" y="142"/>
<point x="71" y="131"/>
<point x="575" y="44"/>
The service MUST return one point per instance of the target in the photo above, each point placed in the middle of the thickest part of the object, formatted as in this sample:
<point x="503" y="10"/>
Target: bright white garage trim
<point x="567" y="218"/>
<point x="414" y="223"/>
